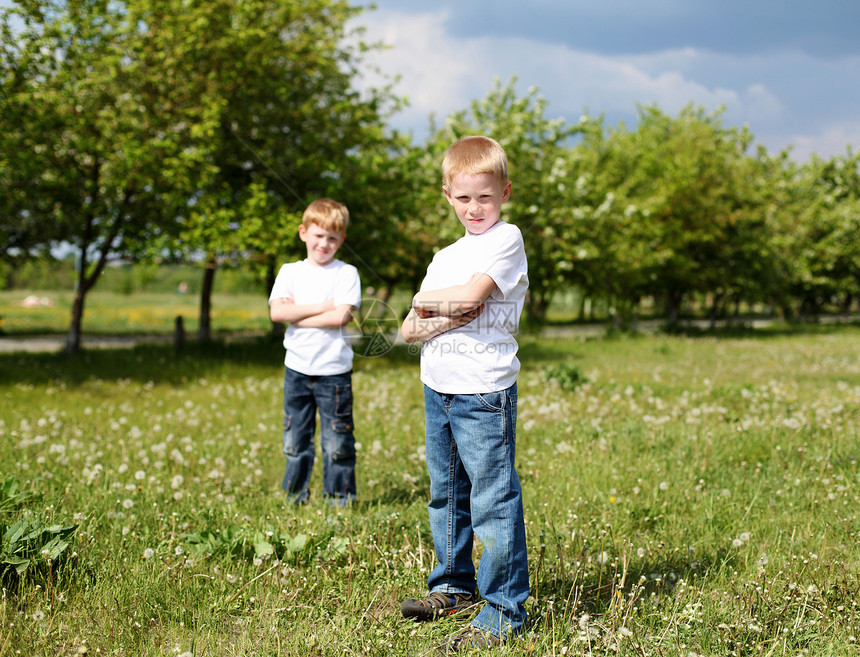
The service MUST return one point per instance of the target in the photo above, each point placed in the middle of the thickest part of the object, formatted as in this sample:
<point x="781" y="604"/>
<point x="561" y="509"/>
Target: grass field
<point x="115" y="313"/>
<point x="683" y="497"/>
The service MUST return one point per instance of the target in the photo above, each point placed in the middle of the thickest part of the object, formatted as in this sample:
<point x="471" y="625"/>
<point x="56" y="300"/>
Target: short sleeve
<point x="348" y="289"/>
<point x="507" y="264"/>
<point x="283" y="284"/>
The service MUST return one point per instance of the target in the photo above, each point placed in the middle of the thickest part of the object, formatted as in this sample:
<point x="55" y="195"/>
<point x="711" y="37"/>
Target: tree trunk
<point x="204" y="330"/>
<point x="715" y="309"/>
<point x="673" y="308"/>
<point x="73" y="337"/>
<point x="82" y="287"/>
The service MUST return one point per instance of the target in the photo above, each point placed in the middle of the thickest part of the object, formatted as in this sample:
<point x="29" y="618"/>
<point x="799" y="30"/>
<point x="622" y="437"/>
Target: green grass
<point x="683" y="497"/>
<point x="115" y="313"/>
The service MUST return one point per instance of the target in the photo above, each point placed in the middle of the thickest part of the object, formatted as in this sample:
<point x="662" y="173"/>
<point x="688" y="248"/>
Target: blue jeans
<point x="474" y="487"/>
<point x="332" y="395"/>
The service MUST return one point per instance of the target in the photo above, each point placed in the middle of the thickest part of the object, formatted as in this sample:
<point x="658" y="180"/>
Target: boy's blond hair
<point x="474" y="155"/>
<point x="327" y="214"/>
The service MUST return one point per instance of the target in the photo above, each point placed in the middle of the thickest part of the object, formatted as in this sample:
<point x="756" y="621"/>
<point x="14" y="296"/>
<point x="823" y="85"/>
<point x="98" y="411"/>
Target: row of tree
<point x="186" y="130"/>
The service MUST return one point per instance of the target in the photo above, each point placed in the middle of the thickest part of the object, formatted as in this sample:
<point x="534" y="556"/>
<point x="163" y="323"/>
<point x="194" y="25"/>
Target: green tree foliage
<point x="289" y="121"/>
<point x="679" y="206"/>
<point x="821" y="231"/>
<point x="104" y="129"/>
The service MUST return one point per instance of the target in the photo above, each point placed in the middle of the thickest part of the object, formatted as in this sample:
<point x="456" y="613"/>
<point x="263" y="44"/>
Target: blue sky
<point x="788" y="69"/>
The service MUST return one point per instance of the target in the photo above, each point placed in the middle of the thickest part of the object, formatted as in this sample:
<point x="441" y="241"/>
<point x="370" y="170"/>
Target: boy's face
<point x="477" y="200"/>
<point x="322" y="244"/>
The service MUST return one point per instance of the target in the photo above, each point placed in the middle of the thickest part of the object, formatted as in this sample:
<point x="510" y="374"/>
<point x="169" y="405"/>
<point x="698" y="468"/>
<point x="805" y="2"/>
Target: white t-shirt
<point x="318" y="351"/>
<point x="482" y="355"/>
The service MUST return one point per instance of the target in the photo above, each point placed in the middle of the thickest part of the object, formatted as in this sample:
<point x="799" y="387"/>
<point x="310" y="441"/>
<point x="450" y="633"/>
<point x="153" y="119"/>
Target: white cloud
<point x="832" y="141"/>
<point x="435" y="70"/>
<point x="441" y="73"/>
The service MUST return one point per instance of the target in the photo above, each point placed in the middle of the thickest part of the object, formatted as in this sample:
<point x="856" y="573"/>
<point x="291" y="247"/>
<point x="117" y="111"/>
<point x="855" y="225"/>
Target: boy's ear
<point x="447" y="194"/>
<point x="302" y="233"/>
<point x="506" y="192"/>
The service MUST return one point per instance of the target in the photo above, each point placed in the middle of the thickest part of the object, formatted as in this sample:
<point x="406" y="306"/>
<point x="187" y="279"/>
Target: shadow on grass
<point x="163" y="363"/>
<point x="560" y="589"/>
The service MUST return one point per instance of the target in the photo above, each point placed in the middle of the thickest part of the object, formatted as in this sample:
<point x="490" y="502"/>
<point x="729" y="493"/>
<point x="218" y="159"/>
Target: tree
<point x="822" y="238"/>
<point x="106" y="132"/>
<point x="681" y="205"/>
<point x="290" y="123"/>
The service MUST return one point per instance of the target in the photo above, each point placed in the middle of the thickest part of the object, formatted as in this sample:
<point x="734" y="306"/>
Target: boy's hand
<point x="424" y="313"/>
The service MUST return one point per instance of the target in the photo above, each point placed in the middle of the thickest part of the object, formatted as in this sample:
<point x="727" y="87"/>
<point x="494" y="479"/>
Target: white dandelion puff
<point x="583" y="621"/>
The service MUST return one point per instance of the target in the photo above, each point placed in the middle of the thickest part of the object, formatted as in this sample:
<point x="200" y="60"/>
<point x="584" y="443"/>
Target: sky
<point x="787" y="69"/>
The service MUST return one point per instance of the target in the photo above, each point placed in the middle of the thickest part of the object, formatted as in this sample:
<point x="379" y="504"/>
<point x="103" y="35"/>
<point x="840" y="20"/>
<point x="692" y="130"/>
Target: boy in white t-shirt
<point x="466" y="315"/>
<point x="317" y="297"/>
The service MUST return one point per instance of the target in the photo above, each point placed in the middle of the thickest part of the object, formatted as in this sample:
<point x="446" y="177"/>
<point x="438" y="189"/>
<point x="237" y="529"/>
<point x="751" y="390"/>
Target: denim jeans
<point x="303" y="396"/>
<point x="474" y="487"/>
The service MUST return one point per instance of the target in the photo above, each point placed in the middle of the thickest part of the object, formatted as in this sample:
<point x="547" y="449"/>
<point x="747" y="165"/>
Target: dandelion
<point x="603" y="558"/>
<point x="148" y="553"/>
<point x="763" y="560"/>
<point x="38" y="615"/>
<point x="127" y="503"/>
<point x="140" y="475"/>
<point x="745" y="536"/>
<point x="230" y="578"/>
<point x="583" y="621"/>
<point x="737" y="542"/>
<point x="664" y="485"/>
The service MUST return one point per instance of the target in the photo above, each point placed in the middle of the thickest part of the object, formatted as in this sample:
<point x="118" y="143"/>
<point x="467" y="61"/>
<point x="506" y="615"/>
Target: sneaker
<point x="436" y="605"/>
<point x="469" y="639"/>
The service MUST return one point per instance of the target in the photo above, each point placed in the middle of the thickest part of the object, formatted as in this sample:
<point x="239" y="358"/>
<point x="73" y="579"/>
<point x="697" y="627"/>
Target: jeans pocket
<point x="343" y="402"/>
<point x="289" y="441"/>
<point x="340" y="442"/>
<point x="493" y="401"/>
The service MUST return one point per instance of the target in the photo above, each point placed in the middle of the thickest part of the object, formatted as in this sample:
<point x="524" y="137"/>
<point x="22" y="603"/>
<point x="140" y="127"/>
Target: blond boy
<point x="466" y="315"/>
<point x="316" y="297"/>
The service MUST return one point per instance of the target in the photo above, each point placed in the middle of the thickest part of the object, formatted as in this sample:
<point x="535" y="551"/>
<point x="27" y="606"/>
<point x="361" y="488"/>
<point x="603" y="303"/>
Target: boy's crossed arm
<point x="435" y="312"/>
<point x="310" y="315"/>
<point x="457" y="299"/>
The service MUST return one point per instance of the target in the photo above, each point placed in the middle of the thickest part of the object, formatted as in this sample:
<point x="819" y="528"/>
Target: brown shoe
<point x="469" y="639"/>
<point x="436" y="605"/>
